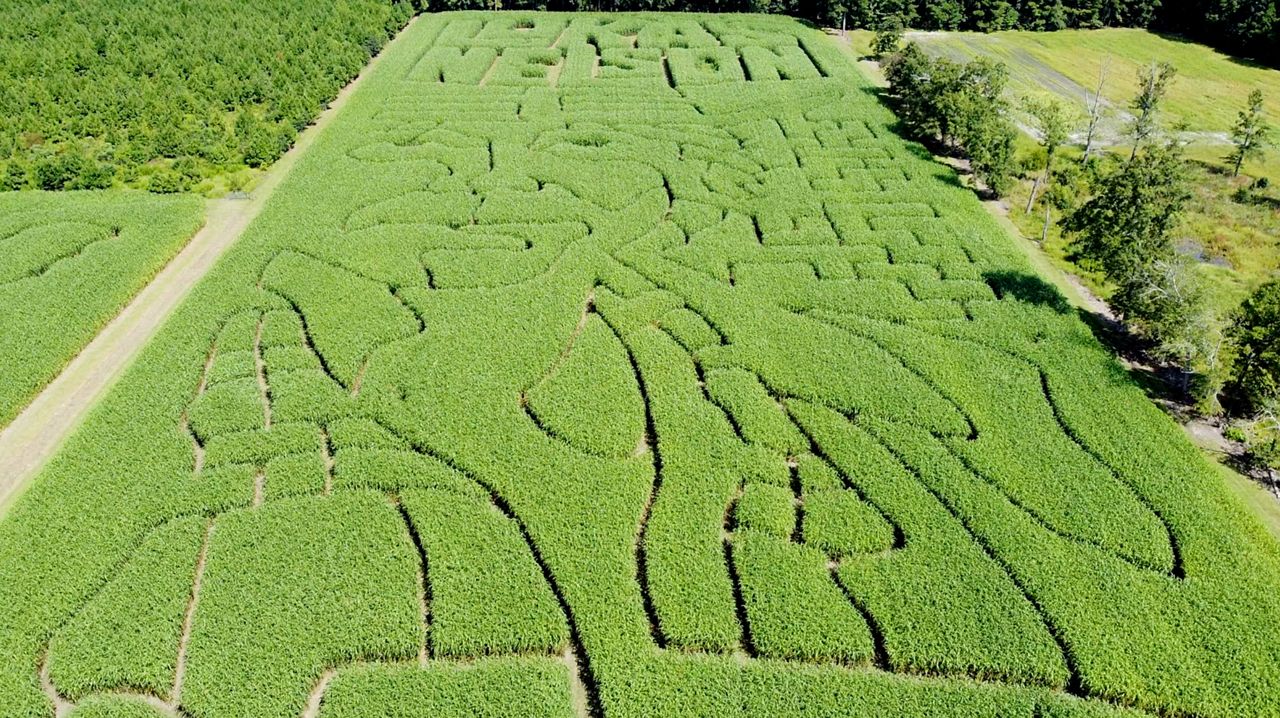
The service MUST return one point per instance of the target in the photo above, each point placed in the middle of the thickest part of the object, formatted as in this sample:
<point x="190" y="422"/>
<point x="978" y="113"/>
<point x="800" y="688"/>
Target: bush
<point x="167" y="182"/>
<point x="14" y="177"/>
<point x="888" y="37"/>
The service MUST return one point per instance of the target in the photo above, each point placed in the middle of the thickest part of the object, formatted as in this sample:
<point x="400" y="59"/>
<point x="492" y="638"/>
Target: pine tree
<point x="1251" y="133"/>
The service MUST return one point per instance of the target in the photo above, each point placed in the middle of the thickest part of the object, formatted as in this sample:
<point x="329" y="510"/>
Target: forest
<point x="97" y="93"/>
<point x="1249" y="28"/>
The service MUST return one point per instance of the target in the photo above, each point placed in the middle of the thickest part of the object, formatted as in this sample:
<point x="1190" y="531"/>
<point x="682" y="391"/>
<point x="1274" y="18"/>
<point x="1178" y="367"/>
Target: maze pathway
<point x="29" y="441"/>
<point x="630" y="365"/>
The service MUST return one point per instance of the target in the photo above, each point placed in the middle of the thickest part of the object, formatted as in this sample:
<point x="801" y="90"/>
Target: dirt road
<point x="37" y="433"/>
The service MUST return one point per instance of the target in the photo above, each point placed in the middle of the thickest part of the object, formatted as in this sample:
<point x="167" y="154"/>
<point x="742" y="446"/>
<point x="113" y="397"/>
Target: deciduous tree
<point x="1255" y="335"/>
<point x="1125" y="228"/>
<point x="1153" y="83"/>
<point x="1052" y="125"/>
<point x="1251" y="133"/>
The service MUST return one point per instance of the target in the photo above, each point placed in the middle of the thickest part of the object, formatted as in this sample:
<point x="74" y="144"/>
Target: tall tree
<point x="992" y="15"/>
<point x="1255" y="333"/>
<point x="1153" y="83"/>
<point x="989" y="145"/>
<point x="888" y="37"/>
<point x="1251" y="133"/>
<point x="1177" y="316"/>
<point x="942" y="15"/>
<point x="910" y="74"/>
<point x="1125" y="228"/>
<point x="1052" y="127"/>
<point x="1042" y="15"/>
<point x="961" y="106"/>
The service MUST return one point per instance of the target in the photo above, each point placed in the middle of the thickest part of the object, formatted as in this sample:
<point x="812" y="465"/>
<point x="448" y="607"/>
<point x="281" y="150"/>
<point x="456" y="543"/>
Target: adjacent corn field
<point x="68" y="264"/>
<point x="629" y="366"/>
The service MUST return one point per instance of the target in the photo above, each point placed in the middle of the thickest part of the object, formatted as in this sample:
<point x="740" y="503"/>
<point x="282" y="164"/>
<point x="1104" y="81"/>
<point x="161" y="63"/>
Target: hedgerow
<point x="73" y="261"/>
<point x="633" y="388"/>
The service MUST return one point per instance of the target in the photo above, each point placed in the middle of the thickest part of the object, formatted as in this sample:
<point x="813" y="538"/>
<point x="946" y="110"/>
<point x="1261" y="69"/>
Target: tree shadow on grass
<point x="1026" y="287"/>
<point x="1135" y="366"/>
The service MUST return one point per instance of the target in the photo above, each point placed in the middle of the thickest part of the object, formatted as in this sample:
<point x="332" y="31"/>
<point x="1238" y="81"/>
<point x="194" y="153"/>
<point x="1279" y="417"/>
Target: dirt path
<point x="37" y="433"/>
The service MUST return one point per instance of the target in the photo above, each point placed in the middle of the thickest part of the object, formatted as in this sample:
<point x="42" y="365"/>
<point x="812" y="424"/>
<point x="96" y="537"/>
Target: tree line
<point x="1122" y="210"/>
<point x="1250" y="28"/>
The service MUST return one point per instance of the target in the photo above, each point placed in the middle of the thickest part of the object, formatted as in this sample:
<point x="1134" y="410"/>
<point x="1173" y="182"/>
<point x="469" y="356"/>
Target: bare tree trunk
<point x="1031" y="199"/>
<point x="1095" y="106"/>
<point x="1044" y="233"/>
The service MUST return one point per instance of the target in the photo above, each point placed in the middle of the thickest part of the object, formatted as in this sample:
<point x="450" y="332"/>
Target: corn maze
<point x="629" y="365"/>
<point x="68" y="264"/>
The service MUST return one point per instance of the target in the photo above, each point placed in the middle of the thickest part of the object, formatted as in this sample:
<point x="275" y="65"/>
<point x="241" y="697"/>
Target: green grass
<point x="1209" y="90"/>
<point x="550" y="387"/>
<point x="68" y="264"/>
<point x="1261" y="501"/>
<point x="1237" y="239"/>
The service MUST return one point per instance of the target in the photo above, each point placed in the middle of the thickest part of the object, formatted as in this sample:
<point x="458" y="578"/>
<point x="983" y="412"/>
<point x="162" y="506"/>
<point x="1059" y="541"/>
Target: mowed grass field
<point x="629" y="365"/>
<point x="1206" y="95"/>
<point x="69" y="262"/>
<point x="1237" y="240"/>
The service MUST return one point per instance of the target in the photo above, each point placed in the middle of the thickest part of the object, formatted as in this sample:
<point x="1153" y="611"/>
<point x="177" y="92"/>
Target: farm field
<point x="68" y="263"/>
<point x="629" y="365"/>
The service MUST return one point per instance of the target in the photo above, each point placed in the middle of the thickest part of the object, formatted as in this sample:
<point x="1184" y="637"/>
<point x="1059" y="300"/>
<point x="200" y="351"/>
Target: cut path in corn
<point x="32" y="438"/>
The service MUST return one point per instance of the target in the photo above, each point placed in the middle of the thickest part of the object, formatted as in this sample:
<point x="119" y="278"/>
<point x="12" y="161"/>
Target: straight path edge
<point x="38" y="432"/>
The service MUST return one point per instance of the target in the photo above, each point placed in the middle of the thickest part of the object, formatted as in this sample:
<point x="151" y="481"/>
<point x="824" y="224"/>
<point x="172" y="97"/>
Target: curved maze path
<point x="28" y="442"/>
<point x="628" y="366"/>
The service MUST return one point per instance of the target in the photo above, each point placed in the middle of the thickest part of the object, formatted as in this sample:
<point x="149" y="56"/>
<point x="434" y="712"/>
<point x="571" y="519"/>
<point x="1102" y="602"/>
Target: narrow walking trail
<point x="37" y="433"/>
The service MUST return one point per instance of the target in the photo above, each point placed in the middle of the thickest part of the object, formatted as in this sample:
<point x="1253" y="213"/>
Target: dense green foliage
<point x="960" y="105"/>
<point x="1251" y="134"/>
<point x="93" y="93"/>
<point x="68" y="264"/>
<point x="1255" y="335"/>
<point x="1126" y="230"/>
<point x="851" y="457"/>
<point x="1249" y="27"/>
<point x="1126" y="227"/>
